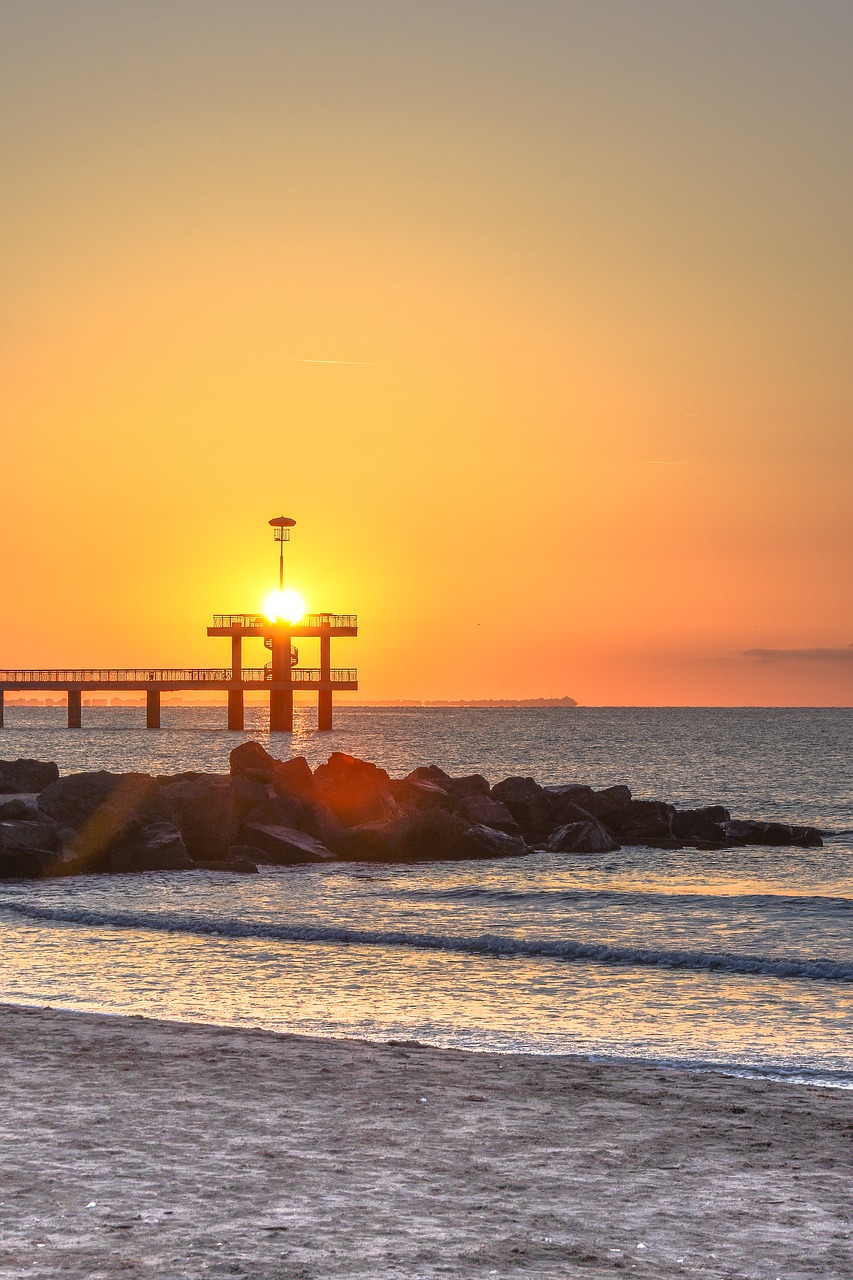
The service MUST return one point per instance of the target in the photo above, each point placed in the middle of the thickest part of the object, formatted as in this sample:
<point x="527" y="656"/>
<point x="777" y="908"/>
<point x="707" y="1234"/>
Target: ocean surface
<point x="740" y="959"/>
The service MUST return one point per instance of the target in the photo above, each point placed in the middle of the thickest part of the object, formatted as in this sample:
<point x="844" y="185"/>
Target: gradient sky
<point x="588" y="270"/>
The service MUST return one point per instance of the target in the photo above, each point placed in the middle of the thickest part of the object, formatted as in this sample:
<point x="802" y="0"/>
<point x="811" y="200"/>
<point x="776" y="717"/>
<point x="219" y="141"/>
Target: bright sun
<point x="284" y="606"/>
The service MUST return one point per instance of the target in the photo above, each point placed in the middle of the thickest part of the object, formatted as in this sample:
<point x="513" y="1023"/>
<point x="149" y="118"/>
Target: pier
<point x="281" y="677"/>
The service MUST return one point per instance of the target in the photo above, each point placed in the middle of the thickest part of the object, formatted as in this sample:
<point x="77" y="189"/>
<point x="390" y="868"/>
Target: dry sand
<point x="133" y="1148"/>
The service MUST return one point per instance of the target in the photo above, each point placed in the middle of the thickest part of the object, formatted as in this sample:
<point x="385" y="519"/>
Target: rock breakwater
<point x="281" y="812"/>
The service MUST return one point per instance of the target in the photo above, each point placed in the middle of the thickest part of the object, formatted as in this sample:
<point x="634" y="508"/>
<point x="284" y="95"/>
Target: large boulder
<point x="154" y="846"/>
<point x="278" y="811"/>
<point x="429" y="773"/>
<point x="473" y="784"/>
<point x="23" y="776"/>
<point x="772" y="833"/>
<point x="411" y="794"/>
<point x="284" y="846"/>
<point x="294" y="778"/>
<point x="581" y="837"/>
<point x="645" y="822"/>
<point x="252" y="760"/>
<point x="483" y="810"/>
<point x="528" y="803"/>
<point x="355" y="790"/>
<point x="597" y="804"/>
<point x="241" y="860"/>
<point x="204" y="811"/>
<point x="19" y="808"/>
<point x="27" y="864"/>
<point x="695" y="825"/>
<point x="428" y="835"/>
<point x="28" y="834"/>
<point x="79" y="798"/>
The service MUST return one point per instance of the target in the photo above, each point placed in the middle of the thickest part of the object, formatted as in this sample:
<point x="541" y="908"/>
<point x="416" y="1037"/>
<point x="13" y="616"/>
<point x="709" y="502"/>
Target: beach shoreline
<point x="139" y="1148"/>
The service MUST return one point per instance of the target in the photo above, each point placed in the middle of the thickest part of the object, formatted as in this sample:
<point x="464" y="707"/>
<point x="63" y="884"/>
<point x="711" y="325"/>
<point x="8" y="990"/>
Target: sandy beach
<point x="136" y="1148"/>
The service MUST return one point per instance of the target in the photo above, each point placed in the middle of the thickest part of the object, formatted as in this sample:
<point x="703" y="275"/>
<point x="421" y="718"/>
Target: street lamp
<point x="282" y="526"/>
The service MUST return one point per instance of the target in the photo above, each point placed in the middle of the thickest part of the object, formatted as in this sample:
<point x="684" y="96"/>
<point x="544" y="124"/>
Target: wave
<point x="486" y="944"/>
<point x="632" y="898"/>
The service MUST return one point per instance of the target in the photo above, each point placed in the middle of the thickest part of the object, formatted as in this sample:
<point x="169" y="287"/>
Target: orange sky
<point x="591" y="263"/>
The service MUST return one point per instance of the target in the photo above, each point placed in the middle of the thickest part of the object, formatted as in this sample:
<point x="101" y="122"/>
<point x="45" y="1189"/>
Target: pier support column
<point x="75" y="708"/>
<point x="152" y="708"/>
<point x="324" y="709"/>
<point x="2" y="695"/>
<point x="235" y="708"/>
<point x="281" y="710"/>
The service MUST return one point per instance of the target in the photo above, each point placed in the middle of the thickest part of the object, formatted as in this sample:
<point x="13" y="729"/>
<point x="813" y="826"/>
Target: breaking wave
<point x="486" y="944"/>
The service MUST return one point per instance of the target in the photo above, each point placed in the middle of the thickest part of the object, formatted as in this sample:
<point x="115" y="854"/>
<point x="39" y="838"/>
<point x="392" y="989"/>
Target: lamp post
<point x="282" y="526"/>
<point x="281" y="700"/>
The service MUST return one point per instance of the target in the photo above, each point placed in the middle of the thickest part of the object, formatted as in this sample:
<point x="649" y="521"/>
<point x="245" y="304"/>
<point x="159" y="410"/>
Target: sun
<point x="284" y="606"/>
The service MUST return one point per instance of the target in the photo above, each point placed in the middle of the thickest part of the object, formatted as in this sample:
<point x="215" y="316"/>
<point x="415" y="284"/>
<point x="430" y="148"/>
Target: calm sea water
<point x="740" y="959"/>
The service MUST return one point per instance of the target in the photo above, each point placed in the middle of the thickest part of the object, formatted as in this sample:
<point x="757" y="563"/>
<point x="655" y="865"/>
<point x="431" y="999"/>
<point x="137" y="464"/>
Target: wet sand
<point x="134" y="1148"/>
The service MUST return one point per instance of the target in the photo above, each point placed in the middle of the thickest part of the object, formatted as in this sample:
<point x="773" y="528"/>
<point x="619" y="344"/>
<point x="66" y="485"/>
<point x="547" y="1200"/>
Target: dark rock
<point x="157" y="846"/>
<point x="646" y="822"/>
<point x="19" y="809"/>
<point x="81" y="798"/>
<point x="581" y="837"/>
<point x="433" y="835"/>
<point x="772" y="833"/>
<point x="26" y="776"/>
<point x="241" y="859"/>
<point x="473" y="784"/>
<point x="284" y="846"/>
<point x="42" y="834"/>
<point x="250" y="758"/>
<point x="294" y="778"/>
<point x="529" y="804"/>
<point x="483" y="810"/>
<point x="608" y="799"/>
<point x="279" y="811"/>
<point x="429" y="773"/>
<point x="205" y="814"/>
<point x="27" y="864"/>
<point x="247" y="792"/>
<point x="691" y="825"/>
<point x="411" y="795"/>
<point x="568" y="812"/>
<point x="355" y="790"/>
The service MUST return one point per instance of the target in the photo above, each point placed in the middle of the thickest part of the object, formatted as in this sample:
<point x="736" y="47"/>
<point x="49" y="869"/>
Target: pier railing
<point x="257" y="621"/>
<point x="65" y="676"/>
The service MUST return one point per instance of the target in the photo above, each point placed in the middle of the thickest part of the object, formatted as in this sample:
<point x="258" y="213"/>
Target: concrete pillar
<point x="152" y="708"/>
<point x="235" y="708"/>
<point x="75" y="708"/>
<point x="324" y="709"/>
<point x="281" y="710"/>
<point x="236" y="657"/>
<point x="2" y="696"/>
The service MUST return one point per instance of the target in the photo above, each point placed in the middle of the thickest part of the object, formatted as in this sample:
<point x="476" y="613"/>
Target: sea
<point x="738" y="960"/>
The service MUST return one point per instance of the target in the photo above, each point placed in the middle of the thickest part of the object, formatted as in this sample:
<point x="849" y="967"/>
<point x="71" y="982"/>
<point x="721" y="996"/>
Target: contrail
<point x="297" y="360"/>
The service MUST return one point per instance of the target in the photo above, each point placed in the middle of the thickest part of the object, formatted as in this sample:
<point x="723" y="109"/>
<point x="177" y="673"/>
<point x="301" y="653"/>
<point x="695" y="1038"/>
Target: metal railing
<point x="257" y="621"/>
<point x="64" y="676"/>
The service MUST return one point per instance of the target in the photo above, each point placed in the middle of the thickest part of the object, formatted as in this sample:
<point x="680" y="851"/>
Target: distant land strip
<point x="367" y="702"/>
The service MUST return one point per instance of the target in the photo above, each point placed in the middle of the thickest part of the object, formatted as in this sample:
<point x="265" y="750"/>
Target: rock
<point x="294" y="778"/>
<point x="581" y="837"/>
<point x="205" y="813"/>
<point x="18" y="776"/>
<point x="156" y="846"/>
<point x="279" y="811"/>
<point x="429" y="773"/>
<point x="646" y="822"/>
<point x="411" y="795"/>
<point x="27" y="864"/>
<point x="247" y="792"/>
<point x="250" y="758"/>
<point x="528" y="803"/>
<point x="79" y="798"/>
<point x="284" y="846"/>
<point x="482" y="810"/>
<point x="567" y="812"/>
<point x="355" y="790"/>
<point x="473" y="784"/>
<point x="19" y="808"/>
<point x="772" y="833"/>
<point x="242" y="859"/>
<point x="691" y="825"/>
<point x="608" y="799"/>
<point x="429" y="835"/>
<point x="44" y="834"/>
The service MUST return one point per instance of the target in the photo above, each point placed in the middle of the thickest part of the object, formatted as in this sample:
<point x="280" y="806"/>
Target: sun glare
<point x="284" y="606"/>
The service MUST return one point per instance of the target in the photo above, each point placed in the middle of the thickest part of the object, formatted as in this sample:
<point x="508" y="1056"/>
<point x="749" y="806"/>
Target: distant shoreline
<point x="376" y="702"/>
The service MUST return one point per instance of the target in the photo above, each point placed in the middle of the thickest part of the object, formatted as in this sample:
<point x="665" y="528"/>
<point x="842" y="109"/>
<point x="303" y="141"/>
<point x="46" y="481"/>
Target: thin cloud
<point x="297" y="360"/>
<point x="800" y="655"/>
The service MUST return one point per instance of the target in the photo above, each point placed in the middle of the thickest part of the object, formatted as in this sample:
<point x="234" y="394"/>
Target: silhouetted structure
<point x="280" y="676"/>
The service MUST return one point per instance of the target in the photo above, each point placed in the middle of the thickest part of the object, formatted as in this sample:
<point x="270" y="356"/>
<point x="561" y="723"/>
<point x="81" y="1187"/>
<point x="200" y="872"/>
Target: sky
<point x="536" y="315"/>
